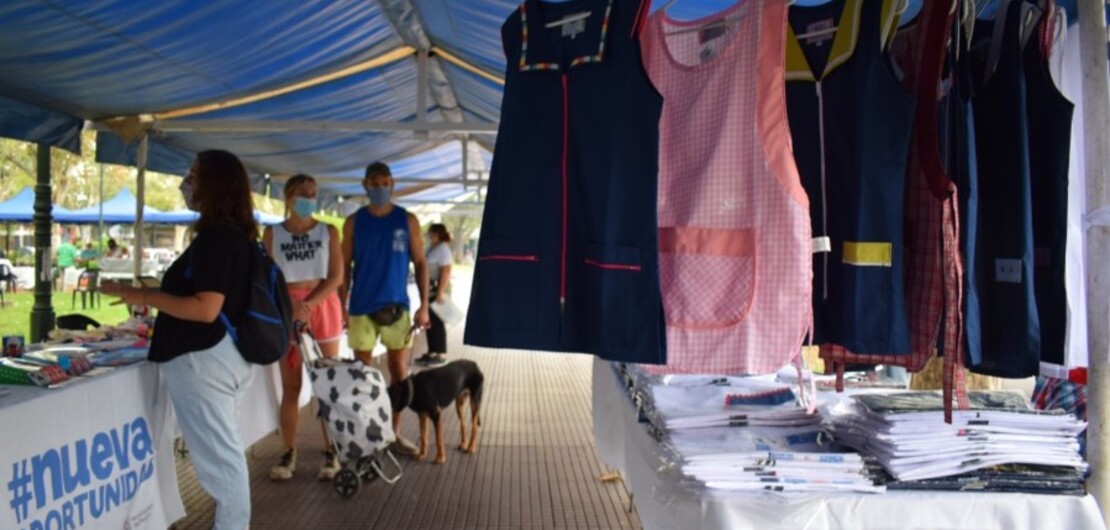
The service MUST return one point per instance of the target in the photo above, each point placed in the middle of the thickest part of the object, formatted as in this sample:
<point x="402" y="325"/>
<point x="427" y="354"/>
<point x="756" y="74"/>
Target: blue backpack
<point x="266" y="325"/>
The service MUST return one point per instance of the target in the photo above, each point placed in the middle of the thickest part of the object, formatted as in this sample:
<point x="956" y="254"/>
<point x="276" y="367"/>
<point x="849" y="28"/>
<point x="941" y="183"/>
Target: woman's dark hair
<point x="112" y="243"/>
<point x="223" y="192"/>
<point x="441" y="232"/>
<point x="295" y="182"/>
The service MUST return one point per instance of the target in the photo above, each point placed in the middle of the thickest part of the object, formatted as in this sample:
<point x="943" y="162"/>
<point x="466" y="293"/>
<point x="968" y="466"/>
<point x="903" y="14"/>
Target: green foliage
<point x="76" y="178"/>
<point x="15" y="315"/>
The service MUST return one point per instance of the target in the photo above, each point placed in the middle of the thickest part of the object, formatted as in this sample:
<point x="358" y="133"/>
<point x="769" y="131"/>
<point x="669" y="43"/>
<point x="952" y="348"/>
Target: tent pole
<point x="140" y="187"/>
<point x="100" y="223"/>
<point x="1096" y="130"/>
<point x="42" y="312"/>
<point x="465" y="160"/>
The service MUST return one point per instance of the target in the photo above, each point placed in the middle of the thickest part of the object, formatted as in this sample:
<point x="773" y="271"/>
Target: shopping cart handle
<point x="299" y="326"/>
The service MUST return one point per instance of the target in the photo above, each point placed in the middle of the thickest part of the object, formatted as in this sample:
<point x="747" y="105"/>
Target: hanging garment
<point x="958" y="153"/>
<point x="733" y="225"/>
<point x="1069" y="74"/>
<point x="850" y="120"/>
<point x="1011" y="336"/>
<point x="568" y="258"/>
<point x="1050" y="115"/>
<point x="933" y="272"/>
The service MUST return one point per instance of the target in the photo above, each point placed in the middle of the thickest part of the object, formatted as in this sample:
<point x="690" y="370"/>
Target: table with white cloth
<point x="663" y="501"/>
<point x="97" y="452"/>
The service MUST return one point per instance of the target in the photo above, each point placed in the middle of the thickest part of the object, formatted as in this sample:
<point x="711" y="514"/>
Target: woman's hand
<point x="127" y="294"/>
<point x="302" y="311"/>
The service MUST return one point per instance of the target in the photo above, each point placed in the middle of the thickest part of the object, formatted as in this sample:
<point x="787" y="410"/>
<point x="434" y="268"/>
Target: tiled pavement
<point x="536" y="466"/>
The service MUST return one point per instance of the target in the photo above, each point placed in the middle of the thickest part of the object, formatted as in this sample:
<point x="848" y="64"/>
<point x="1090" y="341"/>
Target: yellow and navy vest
<point x="851" y="121"/>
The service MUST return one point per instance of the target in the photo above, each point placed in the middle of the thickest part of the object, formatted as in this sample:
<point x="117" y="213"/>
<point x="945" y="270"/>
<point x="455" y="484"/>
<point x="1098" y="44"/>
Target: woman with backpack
<point x="309" y="254"/>
<point x="205" y="374"/>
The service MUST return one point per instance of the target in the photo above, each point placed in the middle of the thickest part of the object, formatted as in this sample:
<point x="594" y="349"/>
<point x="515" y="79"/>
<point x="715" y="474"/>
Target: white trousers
<point x="206" y="388"/>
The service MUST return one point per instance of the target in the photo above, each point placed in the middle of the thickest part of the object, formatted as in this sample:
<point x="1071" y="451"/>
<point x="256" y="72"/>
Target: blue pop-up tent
<point x="20" y="208"/>
<point x="119" y="209"/>
<point x="186" y="216"/>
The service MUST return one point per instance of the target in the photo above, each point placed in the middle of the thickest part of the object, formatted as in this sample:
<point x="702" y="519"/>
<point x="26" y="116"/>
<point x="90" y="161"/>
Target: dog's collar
<point x="408" y="381"/>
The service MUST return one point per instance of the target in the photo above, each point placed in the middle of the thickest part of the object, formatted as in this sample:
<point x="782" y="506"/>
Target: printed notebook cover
<point x="925" y="401"/>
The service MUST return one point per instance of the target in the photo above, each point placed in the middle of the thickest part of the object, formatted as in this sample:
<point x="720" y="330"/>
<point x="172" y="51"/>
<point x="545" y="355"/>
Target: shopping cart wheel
<point x="346" y="483"/>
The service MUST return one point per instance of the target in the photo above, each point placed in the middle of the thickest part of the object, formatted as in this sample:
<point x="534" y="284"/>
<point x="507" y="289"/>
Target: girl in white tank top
<point x="309" y="256"/>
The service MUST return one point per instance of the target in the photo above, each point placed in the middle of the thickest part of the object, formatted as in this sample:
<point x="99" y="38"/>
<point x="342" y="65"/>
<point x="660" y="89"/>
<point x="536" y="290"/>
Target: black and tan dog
<point x="430" y="391"/>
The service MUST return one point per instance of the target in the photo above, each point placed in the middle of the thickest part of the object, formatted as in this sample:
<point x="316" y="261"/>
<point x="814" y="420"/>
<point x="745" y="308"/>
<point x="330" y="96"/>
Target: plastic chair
<point x="8" y="279"/>
<point x="76" y="321"/>
<point x="88" y="284"/>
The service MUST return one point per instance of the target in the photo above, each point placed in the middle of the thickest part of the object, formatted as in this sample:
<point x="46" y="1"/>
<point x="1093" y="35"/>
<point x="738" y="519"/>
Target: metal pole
<point x="422" y="86"/>
<point x="465" y="161"/>
<point x="42" y="312"/>
<point x="140" y="196"/>
<point x="100" y="221"/>
<point x="1096" y="132"/>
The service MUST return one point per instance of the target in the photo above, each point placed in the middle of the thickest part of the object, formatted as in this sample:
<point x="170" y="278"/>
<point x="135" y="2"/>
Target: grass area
<point x="15" y="315"/>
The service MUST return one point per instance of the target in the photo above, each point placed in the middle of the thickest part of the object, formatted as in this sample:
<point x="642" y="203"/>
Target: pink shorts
<point x="326" y="322"/>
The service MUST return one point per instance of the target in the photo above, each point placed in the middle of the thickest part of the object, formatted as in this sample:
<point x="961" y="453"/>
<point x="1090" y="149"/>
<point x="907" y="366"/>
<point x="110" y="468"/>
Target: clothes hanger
<point x="902" y="8"/>
<point x="721" y="22"/>
<point x="568" y="19"/>
<point x="667" y="5"/>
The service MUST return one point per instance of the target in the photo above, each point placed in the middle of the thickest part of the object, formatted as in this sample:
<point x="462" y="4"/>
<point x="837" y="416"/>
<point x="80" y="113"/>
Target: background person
<point x="203" y="370"/>
<point x="309" y="255"/>
<point x="114" y="250"/>
<point x="379" y="241"/>
<point x="439" y="284"/>
<point x="67" y="254"/>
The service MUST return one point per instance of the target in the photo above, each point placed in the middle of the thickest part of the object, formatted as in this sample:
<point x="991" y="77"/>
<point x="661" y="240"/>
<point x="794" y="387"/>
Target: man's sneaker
<point x="432" y="359"/>
<point x="330" y="466"/>
<point x="284" y="470"/>
<point x="403" y="447"/>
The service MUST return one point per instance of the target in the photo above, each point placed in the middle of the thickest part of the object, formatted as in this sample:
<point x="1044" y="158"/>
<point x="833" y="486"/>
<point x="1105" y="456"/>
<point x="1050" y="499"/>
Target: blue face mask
<point x="304" y="207"/>
<point x="379" y="196"/>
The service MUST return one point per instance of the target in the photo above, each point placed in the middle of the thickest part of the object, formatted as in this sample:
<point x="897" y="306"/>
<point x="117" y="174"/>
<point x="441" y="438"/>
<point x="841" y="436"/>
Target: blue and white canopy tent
<point x="120" y="209"/>
<point x="326" y="86"/>
<point x="186" y="216"/>
<point x="20" y="208"/>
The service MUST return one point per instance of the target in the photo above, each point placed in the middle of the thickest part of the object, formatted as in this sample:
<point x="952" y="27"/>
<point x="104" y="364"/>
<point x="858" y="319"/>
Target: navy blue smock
<point x="854" y="170"/>
<point x="958" y="151"/>
<point x="1050" y="115"/>
<point x="1011" y="332"/>
<point x="568" y="257"/>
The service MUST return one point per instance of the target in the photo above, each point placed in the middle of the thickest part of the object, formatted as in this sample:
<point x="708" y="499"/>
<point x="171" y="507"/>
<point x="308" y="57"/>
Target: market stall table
<point x="662" y="501"/>
<point x="97" y="452"/>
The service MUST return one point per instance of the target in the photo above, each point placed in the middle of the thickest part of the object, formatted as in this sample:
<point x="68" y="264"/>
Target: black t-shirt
<point x="218" y="259"/>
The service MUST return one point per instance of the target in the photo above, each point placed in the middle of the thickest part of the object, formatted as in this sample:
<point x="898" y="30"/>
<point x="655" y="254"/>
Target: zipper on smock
<point x="566" y="156"/>
<point x="824" y="191"/>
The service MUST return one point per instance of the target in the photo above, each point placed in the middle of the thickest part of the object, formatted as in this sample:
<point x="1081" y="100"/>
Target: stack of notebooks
<point x="999" y="444"/>
<point x="782" y="471"/>
<point x="747" y="434"/>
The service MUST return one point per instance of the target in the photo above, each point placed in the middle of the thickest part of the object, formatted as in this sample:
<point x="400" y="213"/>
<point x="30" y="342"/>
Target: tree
<point x="462" y="228"/>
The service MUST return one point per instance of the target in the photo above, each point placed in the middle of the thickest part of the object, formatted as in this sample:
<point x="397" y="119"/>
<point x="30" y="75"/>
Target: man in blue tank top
<point x="379" y="241"/>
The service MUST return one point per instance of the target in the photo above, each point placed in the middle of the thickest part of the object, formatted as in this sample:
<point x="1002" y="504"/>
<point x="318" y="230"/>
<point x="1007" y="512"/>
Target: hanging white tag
<point x="573" y="28"/>
<point x="822" y="244"/>
<point x="1007" y="270"/>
